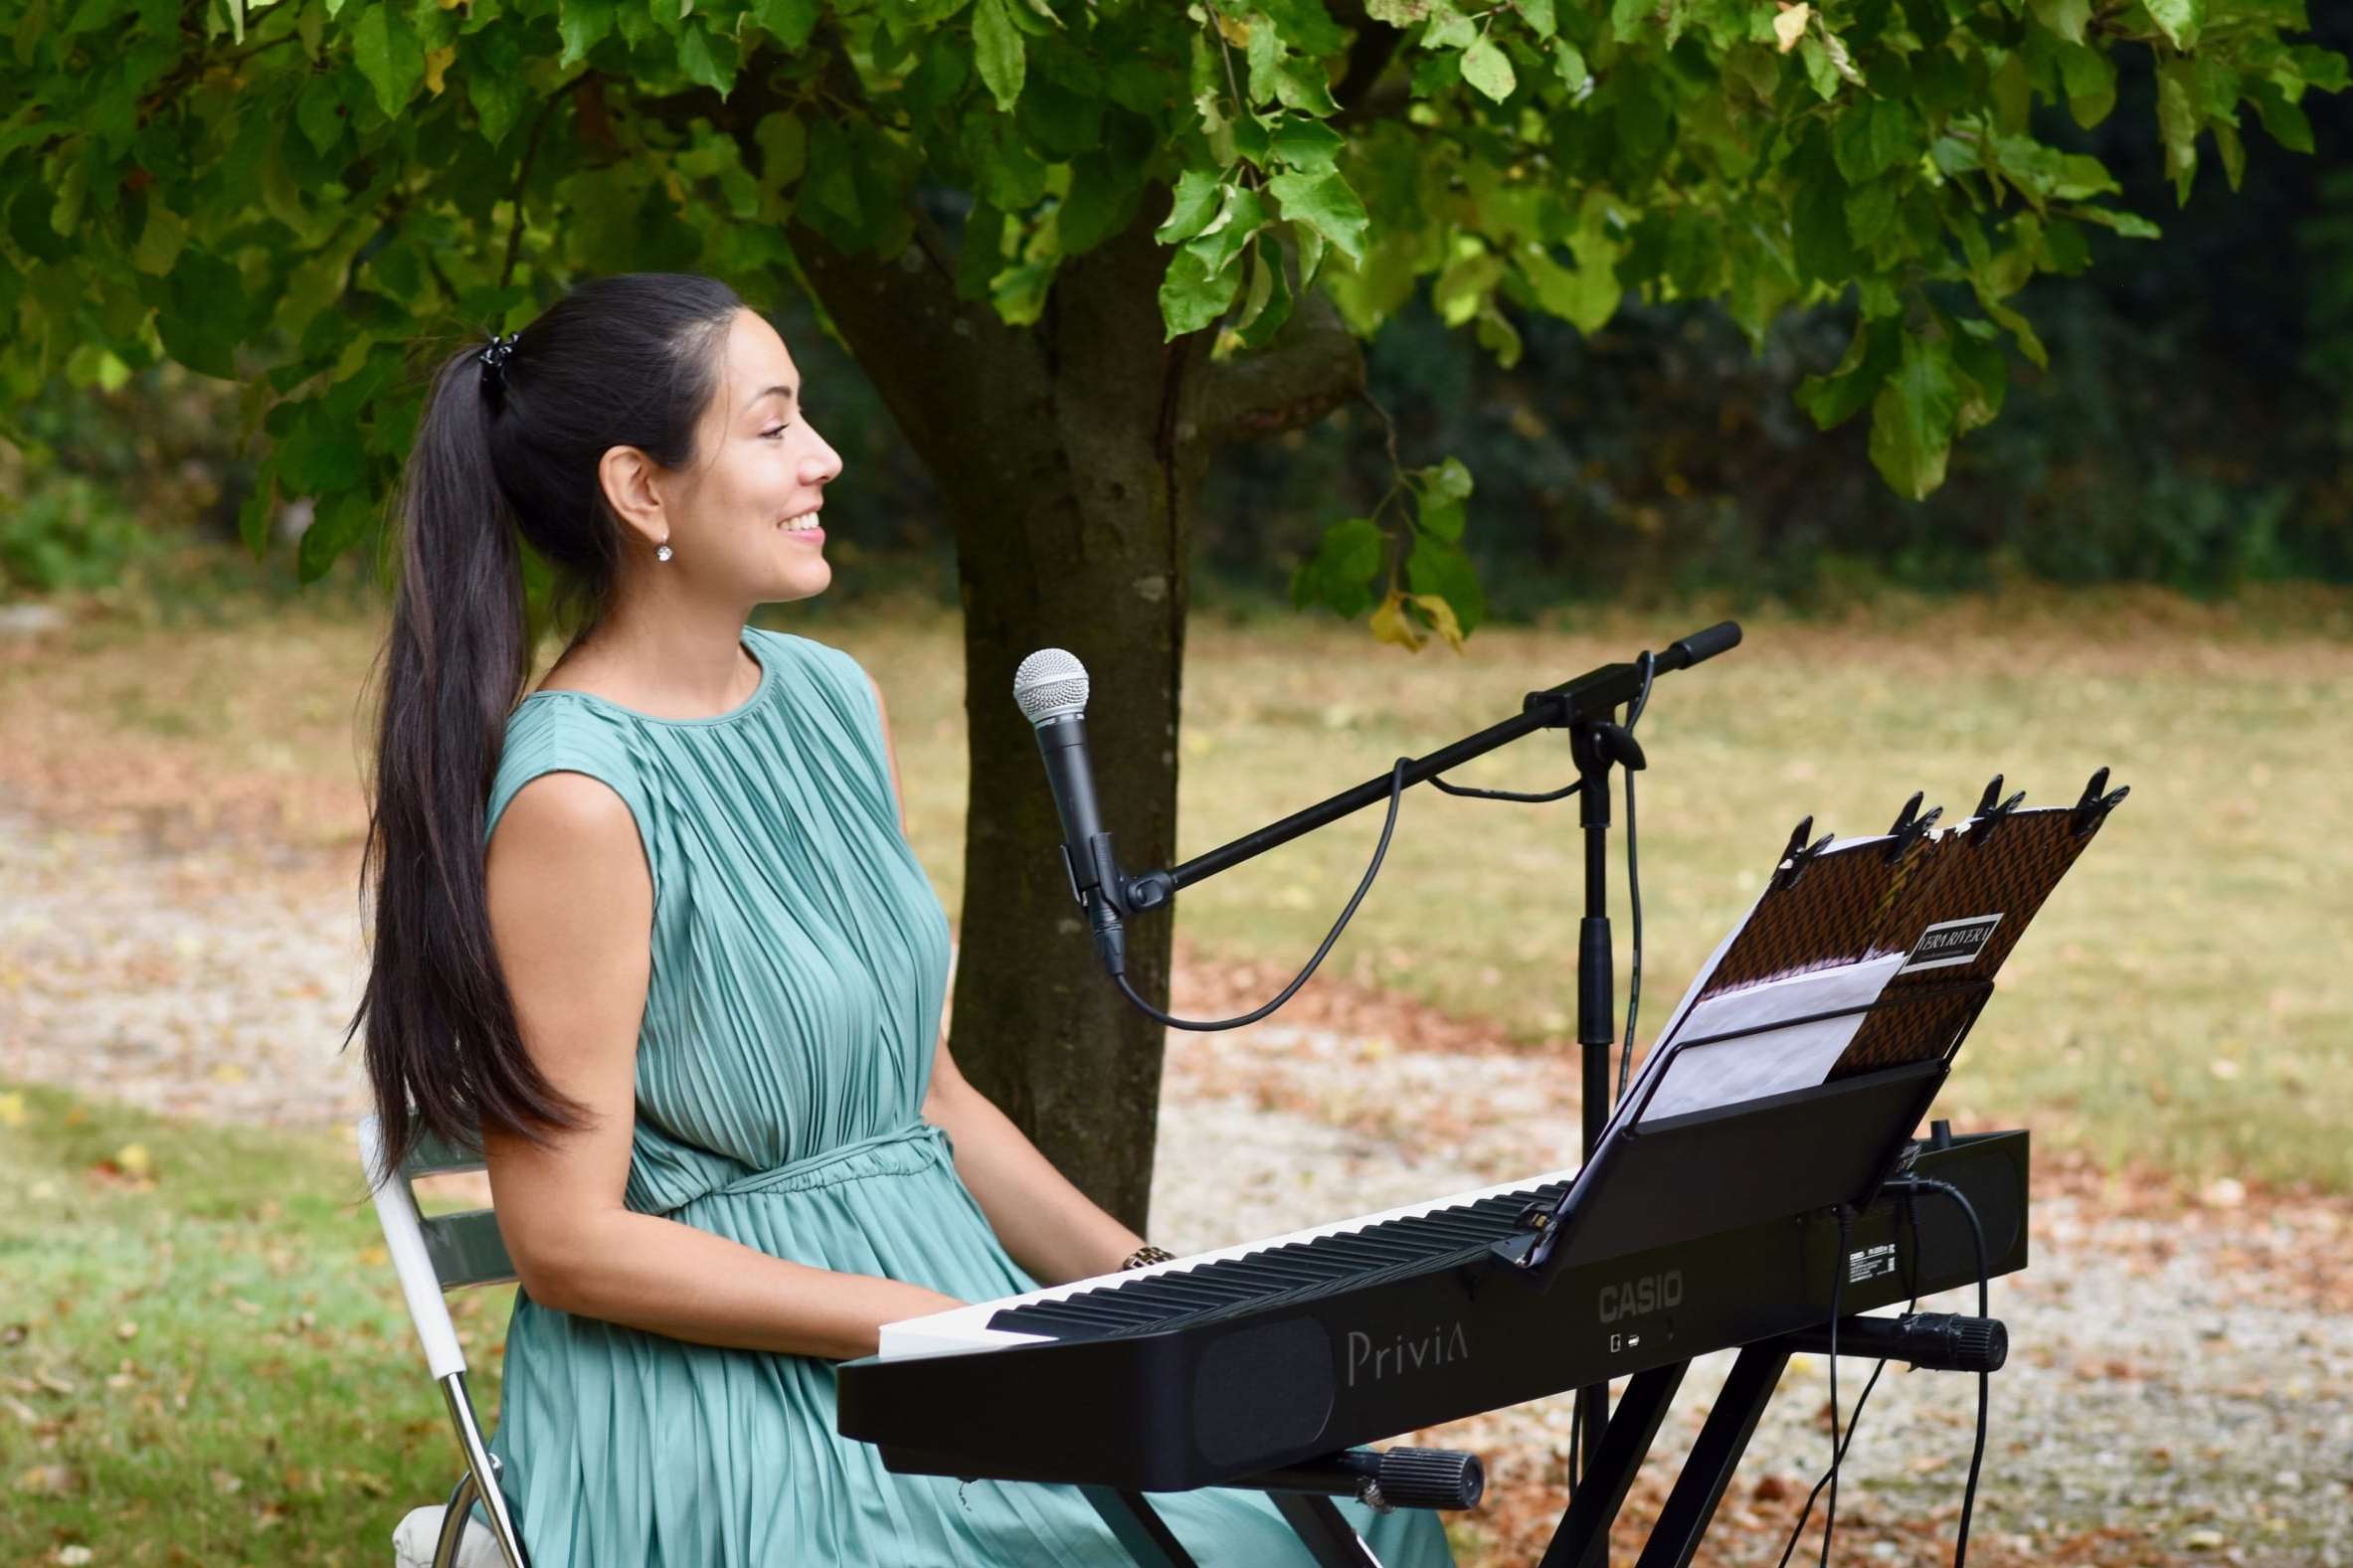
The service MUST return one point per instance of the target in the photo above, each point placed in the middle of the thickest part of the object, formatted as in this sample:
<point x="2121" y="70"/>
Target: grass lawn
<point x="203" y="1355"/>
<point x="2180" y="1003"/>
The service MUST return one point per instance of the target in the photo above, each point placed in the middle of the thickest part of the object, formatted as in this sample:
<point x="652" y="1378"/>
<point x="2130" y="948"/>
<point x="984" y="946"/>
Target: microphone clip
<point x="1100" y="874"/>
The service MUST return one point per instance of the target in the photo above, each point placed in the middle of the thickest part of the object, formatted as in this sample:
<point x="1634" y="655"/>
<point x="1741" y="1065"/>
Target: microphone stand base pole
<point x="1595" y="1004"/>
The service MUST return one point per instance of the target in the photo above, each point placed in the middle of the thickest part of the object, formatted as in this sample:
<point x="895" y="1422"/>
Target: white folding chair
<point x="447" y="1252"/>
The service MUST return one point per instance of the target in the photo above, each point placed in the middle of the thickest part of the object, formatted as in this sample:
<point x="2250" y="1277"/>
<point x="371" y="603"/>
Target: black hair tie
<point x="495" y="357"/>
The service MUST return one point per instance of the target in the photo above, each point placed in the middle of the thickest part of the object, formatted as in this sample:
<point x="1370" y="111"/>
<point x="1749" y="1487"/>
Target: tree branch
<point x="1314" y="365"/>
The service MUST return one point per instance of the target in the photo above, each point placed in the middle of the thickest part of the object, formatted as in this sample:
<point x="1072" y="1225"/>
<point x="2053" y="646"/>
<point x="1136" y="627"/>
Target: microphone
<point x="1051" y="688"/>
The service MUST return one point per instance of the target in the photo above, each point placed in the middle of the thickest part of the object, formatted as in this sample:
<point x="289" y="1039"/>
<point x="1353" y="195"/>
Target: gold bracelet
<point x="1148" y="1254"/>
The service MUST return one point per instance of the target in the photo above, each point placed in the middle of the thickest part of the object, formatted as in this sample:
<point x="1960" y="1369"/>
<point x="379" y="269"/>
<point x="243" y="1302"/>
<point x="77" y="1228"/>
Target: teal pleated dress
<point x="799" y="961"/>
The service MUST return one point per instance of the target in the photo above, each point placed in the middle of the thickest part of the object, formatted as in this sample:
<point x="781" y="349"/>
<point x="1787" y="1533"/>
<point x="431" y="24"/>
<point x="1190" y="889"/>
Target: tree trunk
<point x="1070" y="479"/>
<point x="1070" y="454"/>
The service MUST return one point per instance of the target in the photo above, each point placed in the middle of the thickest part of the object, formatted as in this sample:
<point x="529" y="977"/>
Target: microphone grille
<point x="1050" y="684"/>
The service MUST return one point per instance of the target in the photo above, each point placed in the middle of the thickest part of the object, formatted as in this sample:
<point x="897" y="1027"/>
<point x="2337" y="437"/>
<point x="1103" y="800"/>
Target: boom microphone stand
<point x="1587" y="708"/>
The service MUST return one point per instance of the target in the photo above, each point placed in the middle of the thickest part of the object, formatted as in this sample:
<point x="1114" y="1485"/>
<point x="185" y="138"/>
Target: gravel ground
<point x="2181" y="1379"/>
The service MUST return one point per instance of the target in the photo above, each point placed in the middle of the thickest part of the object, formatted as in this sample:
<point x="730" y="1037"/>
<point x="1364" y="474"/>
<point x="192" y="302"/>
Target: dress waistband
<point x="798" y="1171"/>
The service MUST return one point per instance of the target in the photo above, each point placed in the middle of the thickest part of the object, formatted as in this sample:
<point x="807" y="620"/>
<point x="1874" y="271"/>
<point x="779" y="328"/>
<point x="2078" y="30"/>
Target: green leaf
<point x="1871" y="213"/>
<point x="1574" y="74"/>
<point x="389" y="55"/>
<point x="258" y="508"/>
<point x="1301" y="84"/>
<point x="1819" y="71"/>
<point x="783" y="148"/>
<point x="708" y="60"/>
<point x="1445" y="482"/>
<point x="1913" y="418"/>
<point x="1268" y="305"/>
<point x="2286" y="122"/>
<point x="160" y="240"/>
<point x="2232" y="150"/>
<point x="1196" y="203"/>
<point x="2179" y="20"/>
<point x="1984" y="374"/>
<point x="1465" y="284"/>
<point x="582" y="24"/>
<point x="199" y="318"/>
<point x="1307" y="144"/>
<point x="2176" y="123"/>
<point x="1487" y="69"/>
<point x="1834" y="399"/>
<point x="998" y="49"/>
<point x="1449" y="28"/>
<point x="2066" y="18"/>
<point x="65" y="214"/>
<point x="1873" y="137"/>
<point x="1105" y="191"/>
<point x="495" y="85"/>
<point x="340" y="522"/>
<point x="319" y="111"/>
<point x="2090" y="78"/>
<point x="1326" y="203"/>
<point x="1339" y="575"/>
<point x="1192" y="296"/>
<point x="1229" y="234"/>
<point x="1438" y="567"/>
<point x="789" y="22"/>
<point x="1585" y="295"/>
<point x="1538" y="14"/>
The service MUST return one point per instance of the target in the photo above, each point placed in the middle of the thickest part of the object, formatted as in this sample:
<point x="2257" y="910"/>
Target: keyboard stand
<point x="1583" y="1540"/>
<point x="1148" y="1539"/>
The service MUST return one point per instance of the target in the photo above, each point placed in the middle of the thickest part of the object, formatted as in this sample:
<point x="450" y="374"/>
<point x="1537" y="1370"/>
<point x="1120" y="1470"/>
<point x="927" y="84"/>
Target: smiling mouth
<point x="800" y="523"/>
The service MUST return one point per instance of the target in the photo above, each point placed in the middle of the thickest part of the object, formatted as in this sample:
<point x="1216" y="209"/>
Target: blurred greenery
<point x="2195" y="429"/>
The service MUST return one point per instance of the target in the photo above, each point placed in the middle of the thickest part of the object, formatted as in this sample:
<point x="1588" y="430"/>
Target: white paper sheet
<point x="1774" y="1060"/>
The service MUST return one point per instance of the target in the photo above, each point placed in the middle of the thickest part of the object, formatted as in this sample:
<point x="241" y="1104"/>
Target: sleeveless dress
<point x="800" y="962"/>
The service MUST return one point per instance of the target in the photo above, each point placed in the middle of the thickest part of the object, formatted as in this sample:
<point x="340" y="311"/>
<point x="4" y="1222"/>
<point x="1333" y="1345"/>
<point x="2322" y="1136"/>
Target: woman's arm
<point x="1051" y="1228"/>
<point x="571" y="910"/>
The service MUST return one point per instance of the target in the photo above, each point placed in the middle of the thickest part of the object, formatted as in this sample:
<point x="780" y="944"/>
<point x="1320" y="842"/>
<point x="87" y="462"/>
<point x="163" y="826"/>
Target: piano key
<point x="971" y="1327"/>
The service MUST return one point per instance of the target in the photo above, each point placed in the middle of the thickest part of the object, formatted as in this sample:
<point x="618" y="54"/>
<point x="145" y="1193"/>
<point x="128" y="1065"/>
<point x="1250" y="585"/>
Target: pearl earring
<point x="662" y="554"/>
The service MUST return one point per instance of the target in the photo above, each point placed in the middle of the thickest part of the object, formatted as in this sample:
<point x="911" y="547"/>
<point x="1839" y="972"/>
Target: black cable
<point x="1856" y="1419"/>
<point x="1838" y="1448"/>
<point x="1396" y="789"/>
<point x="1633" y="885"/>
<point x="1562" y="793"/>
<point x="1960" y="1545"/>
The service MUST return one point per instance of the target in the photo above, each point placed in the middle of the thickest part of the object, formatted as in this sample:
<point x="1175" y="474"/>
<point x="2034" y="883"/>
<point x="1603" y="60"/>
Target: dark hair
<point x="631" y="360"/>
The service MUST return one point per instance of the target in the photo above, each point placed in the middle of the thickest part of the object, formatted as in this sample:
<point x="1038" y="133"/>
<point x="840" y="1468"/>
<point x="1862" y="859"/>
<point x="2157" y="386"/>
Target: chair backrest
<point x="437" y="1253"/>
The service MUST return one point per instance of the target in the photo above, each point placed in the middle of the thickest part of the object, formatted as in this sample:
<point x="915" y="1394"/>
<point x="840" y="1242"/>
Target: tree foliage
<point x="296" y="190"/>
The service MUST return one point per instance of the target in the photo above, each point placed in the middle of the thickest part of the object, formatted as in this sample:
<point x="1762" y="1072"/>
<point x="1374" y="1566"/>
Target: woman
<point x="657" y="932"/>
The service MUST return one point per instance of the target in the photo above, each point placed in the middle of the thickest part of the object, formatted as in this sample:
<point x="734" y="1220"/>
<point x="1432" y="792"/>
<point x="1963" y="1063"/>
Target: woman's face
<point x="758" y="462"/>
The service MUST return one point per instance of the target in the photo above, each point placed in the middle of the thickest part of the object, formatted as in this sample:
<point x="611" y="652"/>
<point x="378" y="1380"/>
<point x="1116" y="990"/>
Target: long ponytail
<point x="515" y="455"/>
<point x="444" y="1051"/>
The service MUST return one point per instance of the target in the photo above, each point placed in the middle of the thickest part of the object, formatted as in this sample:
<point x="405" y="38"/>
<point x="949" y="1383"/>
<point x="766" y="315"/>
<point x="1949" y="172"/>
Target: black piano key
<point x="1110" y="1306"/>
<point x="1393" y="1248"/>
<point x="1318" y="1260"/>
<point x="1045" y="1318"/>
<point x="1172" y="1292"/>
<point x="1248" y="1280"/>
<point x="1217" y="1286"/>
<point x="1258" y="1275"/>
